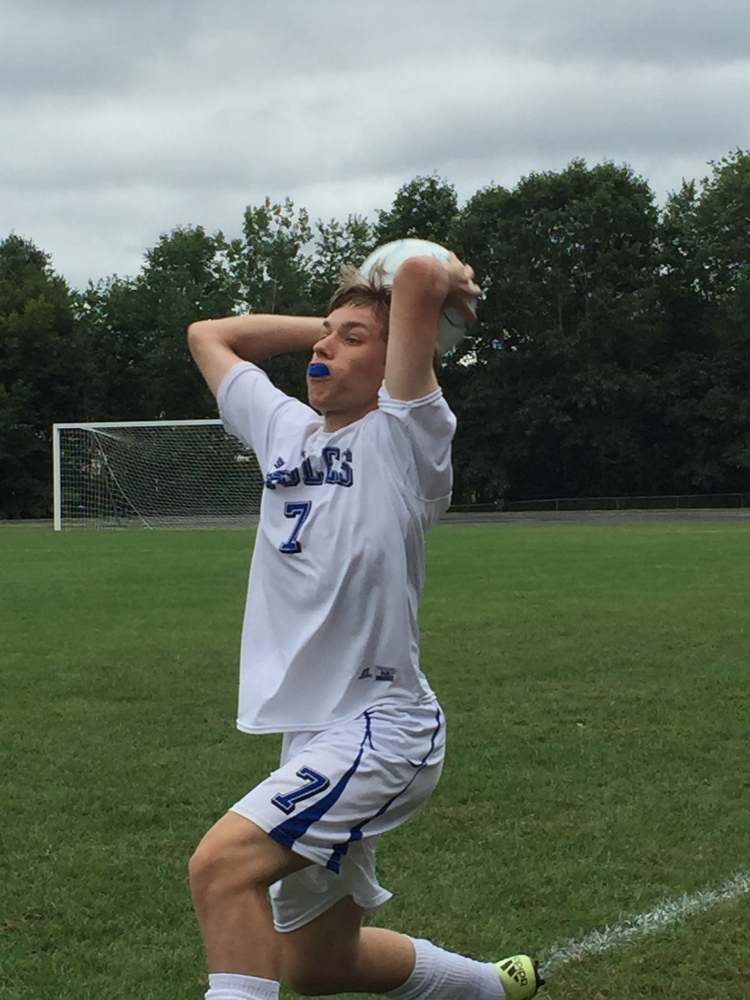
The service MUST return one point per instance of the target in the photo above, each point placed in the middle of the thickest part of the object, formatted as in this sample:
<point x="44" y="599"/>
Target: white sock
<point x="444" y="975"/>
<point x="233" y="986"/>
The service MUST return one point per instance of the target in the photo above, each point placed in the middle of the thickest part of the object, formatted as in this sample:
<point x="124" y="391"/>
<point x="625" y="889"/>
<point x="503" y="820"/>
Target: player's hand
<point x="463" y="290"/>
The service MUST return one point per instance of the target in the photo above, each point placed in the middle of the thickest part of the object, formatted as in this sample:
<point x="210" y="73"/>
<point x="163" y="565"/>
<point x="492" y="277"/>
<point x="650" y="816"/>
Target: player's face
<point x="352" y="347"/>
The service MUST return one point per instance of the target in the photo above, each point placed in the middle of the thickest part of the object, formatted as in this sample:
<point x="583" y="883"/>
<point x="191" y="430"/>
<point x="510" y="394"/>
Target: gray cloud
<point x="76" y="48"/>
<point x="120" y="122"/>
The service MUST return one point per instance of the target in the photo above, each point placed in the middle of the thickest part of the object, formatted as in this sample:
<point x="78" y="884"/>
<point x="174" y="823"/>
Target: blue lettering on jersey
<point x="337" y="470"/>
<point x="309" y="476"/>
<point x="282" y="477"/>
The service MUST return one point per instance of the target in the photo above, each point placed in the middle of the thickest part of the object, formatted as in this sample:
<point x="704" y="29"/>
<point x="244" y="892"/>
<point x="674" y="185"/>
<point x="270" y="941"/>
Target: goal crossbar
<point x="139" y="423"/>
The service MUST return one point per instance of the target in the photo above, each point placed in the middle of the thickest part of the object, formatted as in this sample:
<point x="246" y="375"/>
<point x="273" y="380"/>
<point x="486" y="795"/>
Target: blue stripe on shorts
<point x="290" y="830"/>
<point x="334" y="862"/>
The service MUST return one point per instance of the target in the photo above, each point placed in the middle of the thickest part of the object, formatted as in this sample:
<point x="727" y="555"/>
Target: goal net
<point x="155" y="474"/>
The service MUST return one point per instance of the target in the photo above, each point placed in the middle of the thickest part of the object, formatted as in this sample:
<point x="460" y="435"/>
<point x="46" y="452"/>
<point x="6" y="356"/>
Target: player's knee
<point x="207" y="869"/>
<point x="219" y="866"/>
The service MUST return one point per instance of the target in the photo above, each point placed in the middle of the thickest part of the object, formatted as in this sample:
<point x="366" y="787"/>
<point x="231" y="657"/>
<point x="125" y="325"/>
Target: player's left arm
<point x="422" y="288"/>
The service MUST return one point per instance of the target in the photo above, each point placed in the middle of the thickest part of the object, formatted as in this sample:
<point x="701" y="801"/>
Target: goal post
<point x="153" y="474"/>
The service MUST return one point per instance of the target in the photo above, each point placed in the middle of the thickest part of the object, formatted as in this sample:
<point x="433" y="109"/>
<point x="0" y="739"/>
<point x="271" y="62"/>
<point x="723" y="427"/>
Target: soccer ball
<point x="387" y="258"/>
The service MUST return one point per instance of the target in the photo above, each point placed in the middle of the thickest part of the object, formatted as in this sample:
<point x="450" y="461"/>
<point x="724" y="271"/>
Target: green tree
<point x="273" y="265"/>
<point x="424" y="208"/>
<point x="272" y="261"/>
<point x="560" y="394"/>
<point x="45" y="374"/>
<point x="139" y="327"/>
<point x="705" y="237"/>
<point x="336" y="245"/>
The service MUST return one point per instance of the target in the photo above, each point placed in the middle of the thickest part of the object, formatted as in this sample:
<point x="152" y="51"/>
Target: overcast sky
<point x="120" y="121"/>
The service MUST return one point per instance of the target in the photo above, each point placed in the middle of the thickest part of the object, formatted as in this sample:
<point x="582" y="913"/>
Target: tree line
<point x="611" y="356"/>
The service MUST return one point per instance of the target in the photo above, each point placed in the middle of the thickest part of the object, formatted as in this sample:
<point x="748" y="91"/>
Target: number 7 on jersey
<point x="301" y="510"/>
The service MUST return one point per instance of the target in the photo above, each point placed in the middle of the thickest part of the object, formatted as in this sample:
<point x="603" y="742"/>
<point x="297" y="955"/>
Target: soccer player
<point x="330" y="646"/>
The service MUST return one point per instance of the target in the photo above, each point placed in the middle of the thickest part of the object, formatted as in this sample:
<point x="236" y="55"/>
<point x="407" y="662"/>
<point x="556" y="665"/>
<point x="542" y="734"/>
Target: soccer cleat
<point x="520" y="977"/>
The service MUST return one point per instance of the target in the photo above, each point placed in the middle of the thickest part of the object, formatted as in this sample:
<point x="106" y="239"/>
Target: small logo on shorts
<point x="385" y="674"/>
<point x="381" y="674"/>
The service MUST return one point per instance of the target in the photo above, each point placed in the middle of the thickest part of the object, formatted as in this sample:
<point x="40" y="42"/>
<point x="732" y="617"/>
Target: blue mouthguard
<point x="317" y="370"/>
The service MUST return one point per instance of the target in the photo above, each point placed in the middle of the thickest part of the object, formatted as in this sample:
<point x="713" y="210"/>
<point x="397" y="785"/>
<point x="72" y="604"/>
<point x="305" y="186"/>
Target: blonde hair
<point x="355" y="289"/>
<point x="371" y="293"/>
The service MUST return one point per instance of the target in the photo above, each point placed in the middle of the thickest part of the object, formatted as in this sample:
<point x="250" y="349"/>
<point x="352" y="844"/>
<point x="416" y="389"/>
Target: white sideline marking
<point x="672" y="911"/>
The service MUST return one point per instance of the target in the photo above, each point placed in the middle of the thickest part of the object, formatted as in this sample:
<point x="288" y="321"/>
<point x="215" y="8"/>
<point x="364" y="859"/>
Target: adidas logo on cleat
<point x="519" y="977"/>
<point x="514" y="971"/>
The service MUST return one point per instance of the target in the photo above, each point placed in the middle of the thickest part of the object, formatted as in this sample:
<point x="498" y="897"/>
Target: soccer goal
<point x="153" y="474"/>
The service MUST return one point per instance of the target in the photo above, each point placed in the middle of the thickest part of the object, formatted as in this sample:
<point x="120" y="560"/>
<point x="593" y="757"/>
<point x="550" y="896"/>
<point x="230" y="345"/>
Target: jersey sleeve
<point x="255" y="411"/>
<point x="419" y="436"/>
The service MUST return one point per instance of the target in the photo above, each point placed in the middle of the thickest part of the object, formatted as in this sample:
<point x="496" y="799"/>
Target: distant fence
<point x="691" y="501"/>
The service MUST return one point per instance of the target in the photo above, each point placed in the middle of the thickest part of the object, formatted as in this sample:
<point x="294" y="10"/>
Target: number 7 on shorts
<point x="314" y="782"/>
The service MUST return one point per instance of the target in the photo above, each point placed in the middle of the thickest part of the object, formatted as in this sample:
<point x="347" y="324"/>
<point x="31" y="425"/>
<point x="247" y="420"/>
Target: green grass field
<point x="596" y="683"/>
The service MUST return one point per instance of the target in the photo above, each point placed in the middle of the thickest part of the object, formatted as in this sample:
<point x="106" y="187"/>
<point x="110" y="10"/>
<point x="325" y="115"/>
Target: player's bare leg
<point x="230" y="873"/>
<point x="335" y="954"/>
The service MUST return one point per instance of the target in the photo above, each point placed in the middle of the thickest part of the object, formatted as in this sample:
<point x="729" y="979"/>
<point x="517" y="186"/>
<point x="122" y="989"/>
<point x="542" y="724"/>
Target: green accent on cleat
<point x="519" y="976"/>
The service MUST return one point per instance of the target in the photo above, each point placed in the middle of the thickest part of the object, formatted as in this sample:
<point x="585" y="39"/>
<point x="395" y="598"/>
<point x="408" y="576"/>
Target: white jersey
<point x="330" y="625"/>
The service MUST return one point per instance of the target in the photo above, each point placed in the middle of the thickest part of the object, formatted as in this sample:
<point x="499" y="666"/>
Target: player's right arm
<point x="422" y="288"/>
<point x="218" y="344"/>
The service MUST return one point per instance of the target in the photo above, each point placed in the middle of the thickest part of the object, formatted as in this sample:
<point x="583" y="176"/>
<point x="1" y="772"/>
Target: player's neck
<point x="334" y="421"/>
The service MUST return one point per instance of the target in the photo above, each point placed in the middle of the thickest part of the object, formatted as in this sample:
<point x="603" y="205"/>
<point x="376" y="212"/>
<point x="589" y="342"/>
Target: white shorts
<point x="334" y="794"/>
